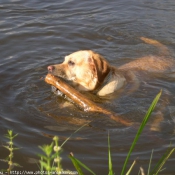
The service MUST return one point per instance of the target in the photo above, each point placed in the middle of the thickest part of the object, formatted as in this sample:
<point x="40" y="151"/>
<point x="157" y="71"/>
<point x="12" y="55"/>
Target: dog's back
<point x="152" y="63"/>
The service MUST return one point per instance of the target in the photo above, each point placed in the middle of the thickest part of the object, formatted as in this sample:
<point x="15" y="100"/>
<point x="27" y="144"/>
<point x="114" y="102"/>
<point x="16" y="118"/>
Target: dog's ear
<point x="99" y="66"/>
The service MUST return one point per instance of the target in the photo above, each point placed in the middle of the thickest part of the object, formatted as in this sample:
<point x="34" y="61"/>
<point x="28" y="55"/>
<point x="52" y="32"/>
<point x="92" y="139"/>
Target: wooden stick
<point x="81" y="100"/>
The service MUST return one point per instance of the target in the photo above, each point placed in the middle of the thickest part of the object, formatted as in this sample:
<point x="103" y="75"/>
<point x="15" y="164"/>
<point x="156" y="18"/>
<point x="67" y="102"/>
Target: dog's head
<point x="85" y="68"/>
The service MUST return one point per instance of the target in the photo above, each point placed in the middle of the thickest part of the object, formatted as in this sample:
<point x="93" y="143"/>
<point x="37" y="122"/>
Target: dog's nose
<point x="50" y="68"/>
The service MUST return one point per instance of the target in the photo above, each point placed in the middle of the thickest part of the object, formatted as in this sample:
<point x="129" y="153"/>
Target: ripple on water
<point x="35" y="34"/>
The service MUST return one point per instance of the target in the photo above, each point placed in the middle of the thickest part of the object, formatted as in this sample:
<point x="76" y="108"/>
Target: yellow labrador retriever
<point x="89" y="71"/>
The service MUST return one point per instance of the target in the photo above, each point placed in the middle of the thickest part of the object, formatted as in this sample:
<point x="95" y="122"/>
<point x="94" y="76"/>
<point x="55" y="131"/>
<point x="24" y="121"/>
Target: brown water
<point x="35" y="34"/>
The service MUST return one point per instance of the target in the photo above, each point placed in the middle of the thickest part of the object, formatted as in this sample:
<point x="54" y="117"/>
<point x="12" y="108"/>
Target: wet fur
<point x="90" y="71"/>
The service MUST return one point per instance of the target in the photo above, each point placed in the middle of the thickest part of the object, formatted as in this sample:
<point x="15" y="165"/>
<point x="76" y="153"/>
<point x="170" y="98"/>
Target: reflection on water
<point x="35" y="34"/>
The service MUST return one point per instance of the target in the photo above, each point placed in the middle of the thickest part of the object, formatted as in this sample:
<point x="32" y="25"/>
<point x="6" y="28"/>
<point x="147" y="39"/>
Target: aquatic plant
<point x="10" y="147"/>
<point x="147" y="116"/>
<point x="50" y="161"/>
<point x="78" y="164"/>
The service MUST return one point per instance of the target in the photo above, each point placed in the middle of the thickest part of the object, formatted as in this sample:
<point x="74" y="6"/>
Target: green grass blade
<point x="109" y="157"/>
<point x="130" y="169"/>
<point x="162" y="161"/>
<point x="151" y="108"/>
<point x="139" y="172"/>
<point x="72" y="134"/>
<point x="149" y="167"/>
<point x="77" y="165"/>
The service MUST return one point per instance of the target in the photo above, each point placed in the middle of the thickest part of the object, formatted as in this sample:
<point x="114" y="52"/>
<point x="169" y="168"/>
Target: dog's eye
<point x="71" y="63"/>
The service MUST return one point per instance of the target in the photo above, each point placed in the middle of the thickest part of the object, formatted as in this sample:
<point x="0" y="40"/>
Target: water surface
<point x="35" y="34"/>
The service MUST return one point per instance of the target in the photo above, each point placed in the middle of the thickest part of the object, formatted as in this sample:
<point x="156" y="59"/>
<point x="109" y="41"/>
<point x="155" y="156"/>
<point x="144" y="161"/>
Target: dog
<point x="87" y="70"/>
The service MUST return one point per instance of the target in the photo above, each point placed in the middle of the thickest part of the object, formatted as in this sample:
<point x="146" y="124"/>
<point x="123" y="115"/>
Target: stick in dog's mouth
<point x="79" y="99"/>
